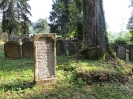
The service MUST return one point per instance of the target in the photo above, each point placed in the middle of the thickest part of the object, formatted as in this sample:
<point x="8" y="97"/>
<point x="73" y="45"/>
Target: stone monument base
<point x="50" y="80"/>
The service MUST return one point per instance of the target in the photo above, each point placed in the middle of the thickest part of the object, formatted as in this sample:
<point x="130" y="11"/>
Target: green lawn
<point x="76" y="79"/>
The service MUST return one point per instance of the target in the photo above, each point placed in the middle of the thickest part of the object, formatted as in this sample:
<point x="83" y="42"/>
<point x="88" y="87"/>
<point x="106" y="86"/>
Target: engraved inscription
<point x="44" y="58"/>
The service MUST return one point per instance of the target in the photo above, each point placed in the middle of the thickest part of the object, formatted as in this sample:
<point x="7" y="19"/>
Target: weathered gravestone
<point x="12" y="50"/>
<point x="121" y="52"/>
<point x="27" y="49"/>
<point x="45" y="58"/>
<point x="73" y="48"/>
<point x="93" y="53"/>
<point x="131" y="52"/>
<point x="60" y="50"/>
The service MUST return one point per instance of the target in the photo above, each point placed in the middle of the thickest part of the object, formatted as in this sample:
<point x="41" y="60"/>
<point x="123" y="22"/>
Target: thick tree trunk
<point x="95" y="38"/>
<point x="94" y="24"/>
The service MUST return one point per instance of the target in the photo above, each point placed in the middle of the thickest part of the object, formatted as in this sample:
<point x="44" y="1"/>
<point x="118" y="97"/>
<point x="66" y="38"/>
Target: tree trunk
<point x="95" y="37"/>
<point x="94" y="24"/>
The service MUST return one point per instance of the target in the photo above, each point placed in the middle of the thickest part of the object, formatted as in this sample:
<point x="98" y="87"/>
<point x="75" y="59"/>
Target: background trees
<point x="130" y="22"/>
<point x="66" y="18"/>
<point x="41" y="26"/>
<point x="15" y="16"/>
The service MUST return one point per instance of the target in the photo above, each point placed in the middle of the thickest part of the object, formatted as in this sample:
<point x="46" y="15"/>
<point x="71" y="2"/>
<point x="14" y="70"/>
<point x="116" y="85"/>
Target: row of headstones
<point x="67" y="47"/>
<point x="73" y="47"/>
<point x="43" y="48"/>
<point x="12" y="49"/>
<point x="121" y="51"/>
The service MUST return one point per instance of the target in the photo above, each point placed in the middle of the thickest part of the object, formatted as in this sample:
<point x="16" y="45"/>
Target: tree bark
<point x="94" y="24"/>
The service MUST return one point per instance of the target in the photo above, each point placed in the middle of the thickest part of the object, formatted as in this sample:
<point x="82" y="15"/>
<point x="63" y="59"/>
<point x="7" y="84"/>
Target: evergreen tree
<point x="66" y="17"/>
<point x="130" y="22"/>
<point x="41" y="26"/>
<point x="15" y="14"/>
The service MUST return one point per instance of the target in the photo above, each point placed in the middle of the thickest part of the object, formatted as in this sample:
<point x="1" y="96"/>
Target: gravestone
<point x="60" y="50"/>
<point x="27" y="49"/>
<point x="93" y="53"/>
<point x="73" y="48"/>
<point x="131" y="53"/>
<point x="121" y="52"/>
<point x="12" y="50"/>
<point x="45" y="58"/>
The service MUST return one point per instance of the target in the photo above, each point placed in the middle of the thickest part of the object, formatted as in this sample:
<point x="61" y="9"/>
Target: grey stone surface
<point x="27" y="49"/>
<point x="131" y="53"/>
<point x="60" y="50"/>
<point x="121" y="52"/>
<point x="93" y="53"/>
<point x="12" y="50"/>
<point x="45" y="57"/>
<point x="73" y="48"/>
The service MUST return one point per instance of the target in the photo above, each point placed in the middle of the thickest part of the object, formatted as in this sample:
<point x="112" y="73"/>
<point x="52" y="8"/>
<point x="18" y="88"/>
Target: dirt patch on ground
<point x="102" y="76"/>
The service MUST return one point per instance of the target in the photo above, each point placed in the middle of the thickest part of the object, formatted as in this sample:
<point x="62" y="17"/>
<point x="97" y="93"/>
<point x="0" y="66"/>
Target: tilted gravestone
<point x="45" y="58"/>
<point x="27" y="49"/>
<point x="60" y="50"/>
<point x="131" y="52"/>
<point x="12" y="50"/>
<point x="121" y="52"/>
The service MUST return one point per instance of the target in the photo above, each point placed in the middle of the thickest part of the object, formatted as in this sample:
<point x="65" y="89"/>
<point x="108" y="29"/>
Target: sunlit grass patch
<point x="17" y="76"/>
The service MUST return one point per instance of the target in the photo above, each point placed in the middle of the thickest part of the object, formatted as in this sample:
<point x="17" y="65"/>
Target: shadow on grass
<point x="16" y="86"/>
<point x="62" y="91"/>
<point x="95" y="91"/>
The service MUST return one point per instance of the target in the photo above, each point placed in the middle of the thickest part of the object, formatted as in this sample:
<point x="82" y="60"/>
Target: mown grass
<point x="16" y="80"/>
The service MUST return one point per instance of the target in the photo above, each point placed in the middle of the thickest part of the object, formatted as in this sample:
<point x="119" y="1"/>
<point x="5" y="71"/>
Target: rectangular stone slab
<point x="27" y="49"/>
<point x="45" y="57"/>
<point x="12" y="50"/>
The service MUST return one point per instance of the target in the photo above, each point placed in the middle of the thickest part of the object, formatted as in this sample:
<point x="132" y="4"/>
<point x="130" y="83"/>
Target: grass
<point x="73" y="79"/>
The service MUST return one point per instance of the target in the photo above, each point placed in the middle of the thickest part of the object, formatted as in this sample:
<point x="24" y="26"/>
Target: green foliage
<point x="120" y="39"/>
<point x="16" y="80"/>
<point x="15" y="16"/>
<point x="111" y="37"/>
<point x="41" y="26"/>
<point x="66" y="18"/>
